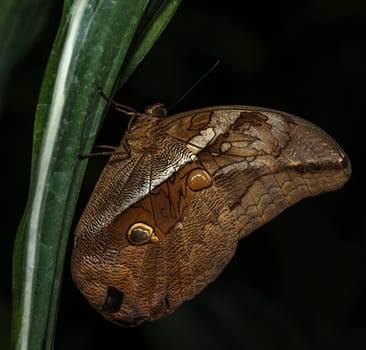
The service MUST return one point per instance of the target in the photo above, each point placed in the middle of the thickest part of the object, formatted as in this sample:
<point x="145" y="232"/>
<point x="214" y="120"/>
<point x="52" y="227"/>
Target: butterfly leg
<point x="118" y="106"/>
<point x="112" y="150"/>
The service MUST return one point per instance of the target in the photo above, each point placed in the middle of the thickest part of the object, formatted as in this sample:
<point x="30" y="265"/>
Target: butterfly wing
<point x="165" y="218"/>
<point x="131" y="281"/>
<point x="262" y="160"/>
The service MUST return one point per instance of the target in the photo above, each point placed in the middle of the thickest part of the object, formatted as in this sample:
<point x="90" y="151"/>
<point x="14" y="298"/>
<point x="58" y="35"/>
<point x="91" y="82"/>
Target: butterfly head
<point x="156" y="110"/>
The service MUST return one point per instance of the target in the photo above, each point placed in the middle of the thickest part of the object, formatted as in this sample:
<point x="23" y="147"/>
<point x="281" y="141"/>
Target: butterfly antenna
<point x="194" y="85"/>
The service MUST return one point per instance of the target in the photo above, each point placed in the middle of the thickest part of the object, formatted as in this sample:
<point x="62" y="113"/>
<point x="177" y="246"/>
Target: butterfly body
<point x="179" y="192"/>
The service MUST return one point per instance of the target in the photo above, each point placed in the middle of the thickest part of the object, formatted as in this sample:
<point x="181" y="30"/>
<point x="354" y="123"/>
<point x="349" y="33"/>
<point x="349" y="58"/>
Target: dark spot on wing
<point x="113" y="300"/>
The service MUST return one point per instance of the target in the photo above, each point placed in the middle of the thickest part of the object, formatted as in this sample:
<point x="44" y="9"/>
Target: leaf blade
<point x="67" y="119"/>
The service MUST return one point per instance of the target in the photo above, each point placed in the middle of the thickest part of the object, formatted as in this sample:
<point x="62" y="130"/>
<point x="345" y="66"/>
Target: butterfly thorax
<point x="145" y="127"/>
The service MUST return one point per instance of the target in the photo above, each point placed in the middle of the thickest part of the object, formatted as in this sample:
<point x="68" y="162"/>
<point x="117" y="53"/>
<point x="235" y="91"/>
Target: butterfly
<point x="178" y="193"/>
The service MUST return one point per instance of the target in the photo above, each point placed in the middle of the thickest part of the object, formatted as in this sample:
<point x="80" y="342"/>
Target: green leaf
<point x="154" y="21"/>
<point x="90" y="51"/>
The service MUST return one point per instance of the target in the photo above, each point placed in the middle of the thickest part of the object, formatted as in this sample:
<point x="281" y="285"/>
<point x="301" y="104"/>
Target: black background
<point x="298" y="282"/>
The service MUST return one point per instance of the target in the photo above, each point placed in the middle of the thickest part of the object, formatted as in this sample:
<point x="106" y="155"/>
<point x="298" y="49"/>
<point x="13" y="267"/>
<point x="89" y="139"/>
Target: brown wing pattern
<point x="164" y="219"/>
<point x="192" y="243"/>
<point x="263" y="161"/>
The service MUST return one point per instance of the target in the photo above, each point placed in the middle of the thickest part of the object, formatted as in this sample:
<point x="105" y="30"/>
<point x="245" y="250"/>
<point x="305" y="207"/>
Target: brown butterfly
<point x="179" y="192"/>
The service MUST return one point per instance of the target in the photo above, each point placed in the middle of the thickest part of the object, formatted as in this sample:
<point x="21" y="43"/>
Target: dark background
<point x="297" y="283"/>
